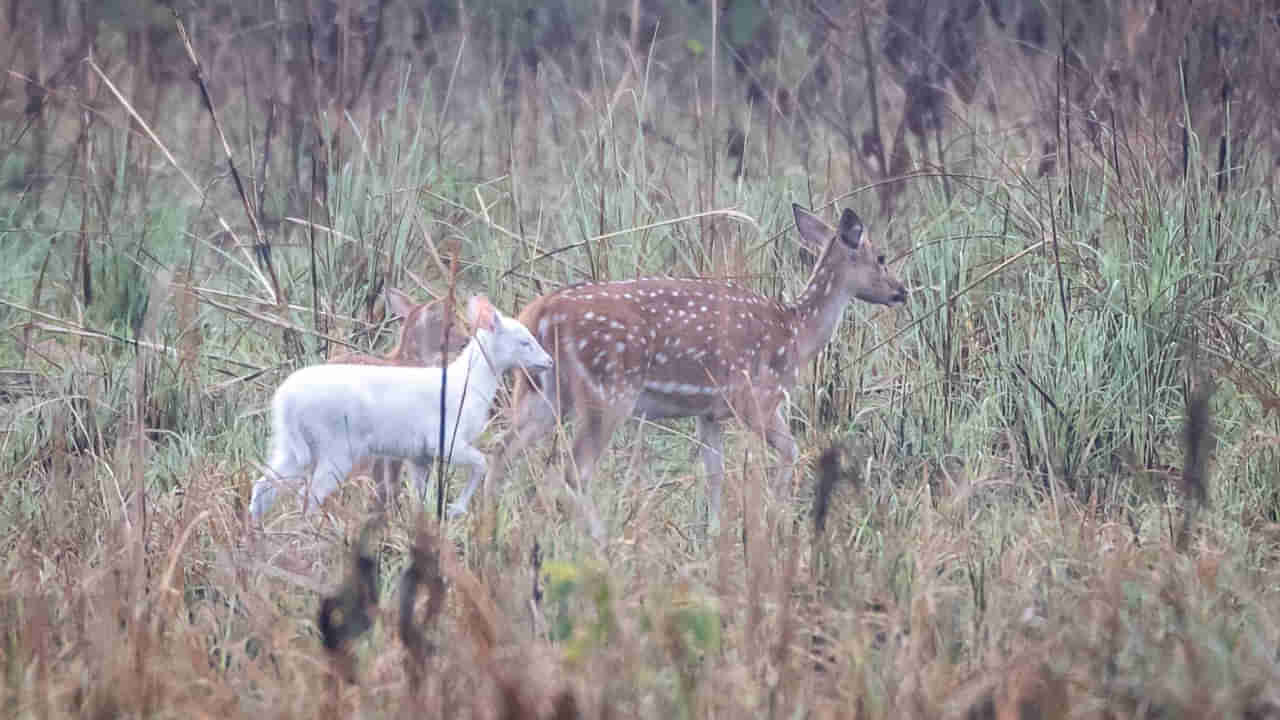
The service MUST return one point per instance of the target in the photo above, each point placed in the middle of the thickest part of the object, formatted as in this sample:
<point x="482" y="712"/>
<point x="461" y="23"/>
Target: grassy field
<point x="1045" y="487"/>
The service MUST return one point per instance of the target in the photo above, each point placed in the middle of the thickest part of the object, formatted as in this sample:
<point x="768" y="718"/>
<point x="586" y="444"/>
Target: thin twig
<point x="728" y="213"/>
<point x="263" y="248"/>
<point x="68" y="327"/>
<point x="266" y="284"/>
<point x="954" y="296"/>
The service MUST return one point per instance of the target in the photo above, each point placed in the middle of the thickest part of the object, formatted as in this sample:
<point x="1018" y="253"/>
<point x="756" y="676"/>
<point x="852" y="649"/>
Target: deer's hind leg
<point x="329" y="471"/>
<point x="711" y="448"/>
<point x="288" y="463"/>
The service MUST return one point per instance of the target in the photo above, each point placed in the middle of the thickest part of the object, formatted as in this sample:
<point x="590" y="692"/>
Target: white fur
<point x="327" y="417"/>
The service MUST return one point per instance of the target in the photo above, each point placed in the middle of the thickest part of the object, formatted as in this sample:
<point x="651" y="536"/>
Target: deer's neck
<point x="818" y="309"/>
<point x="472" y="371"/>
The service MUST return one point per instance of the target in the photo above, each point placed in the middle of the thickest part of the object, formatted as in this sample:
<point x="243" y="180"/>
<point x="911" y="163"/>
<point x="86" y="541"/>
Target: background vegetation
<point x="1048" y="485"/>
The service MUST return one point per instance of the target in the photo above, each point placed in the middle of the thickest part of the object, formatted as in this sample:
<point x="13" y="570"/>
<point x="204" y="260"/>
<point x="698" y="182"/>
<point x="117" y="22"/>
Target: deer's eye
<point x="880" y="259"/>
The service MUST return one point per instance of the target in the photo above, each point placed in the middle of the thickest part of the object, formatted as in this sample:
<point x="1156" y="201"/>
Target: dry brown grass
<point x="198" y="616"/>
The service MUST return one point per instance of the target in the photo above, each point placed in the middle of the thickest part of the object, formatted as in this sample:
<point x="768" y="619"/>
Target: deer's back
<point x="359" y="358"/>
<point x="682" y="342"/>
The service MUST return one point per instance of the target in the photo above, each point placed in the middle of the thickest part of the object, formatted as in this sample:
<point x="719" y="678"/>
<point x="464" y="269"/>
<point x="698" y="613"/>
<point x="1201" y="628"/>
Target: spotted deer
<point x="420" y="343"/>
<point x="664" y="347"/>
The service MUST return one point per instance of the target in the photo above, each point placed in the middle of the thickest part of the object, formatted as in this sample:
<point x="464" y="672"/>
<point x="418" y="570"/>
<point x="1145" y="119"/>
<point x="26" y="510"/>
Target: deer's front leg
<point x="592" y="438"/>
<point x="421" y="469"/>
<point x="532" y="417"/>
<point x="590" y="441"/>
<point x="778" y="434"/>
<point x="467" y="455"/>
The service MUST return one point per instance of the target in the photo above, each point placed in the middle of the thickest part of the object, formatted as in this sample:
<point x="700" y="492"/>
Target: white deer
<point x="327" y="417"/>
<point x="422" y="341"/>
<point x="669" y="348"/>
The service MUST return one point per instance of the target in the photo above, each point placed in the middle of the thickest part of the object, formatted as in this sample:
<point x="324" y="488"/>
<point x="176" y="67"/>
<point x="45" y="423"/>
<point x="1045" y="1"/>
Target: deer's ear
<point x="812" y="230"/>
<point x="481" y="313"/>
<point x="850" y="228"/>
<point x="398" y="303"/>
